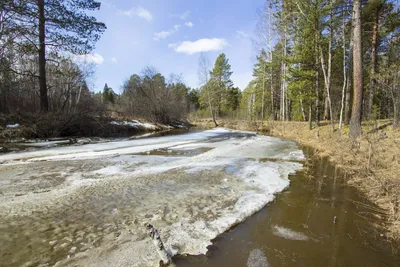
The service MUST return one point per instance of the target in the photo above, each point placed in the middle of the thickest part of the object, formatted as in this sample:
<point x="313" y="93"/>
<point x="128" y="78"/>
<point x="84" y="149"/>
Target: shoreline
<point x="317" y="193"/>
<point x="371" y="164"/>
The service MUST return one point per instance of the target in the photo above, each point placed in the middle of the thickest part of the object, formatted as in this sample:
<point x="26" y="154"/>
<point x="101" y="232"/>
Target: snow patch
<point x="45" y="143"/>
<point x="111" y="170"/>
<point x="11" y="126"/>
<point x="135" y="124"/>
<point x="257" y="259"/>
<point x="288" y="233"/>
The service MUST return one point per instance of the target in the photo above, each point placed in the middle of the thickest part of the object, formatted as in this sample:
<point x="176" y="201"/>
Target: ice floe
<point x="190" y="199"/>
<point x="288" y="233"/>
<point x="257" y="258"/>
<point x="11" y="126"/>
<point x="135" y="124"/>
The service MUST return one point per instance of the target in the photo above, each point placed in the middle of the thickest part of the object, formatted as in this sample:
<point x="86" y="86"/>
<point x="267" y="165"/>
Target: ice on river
<point x="93" y="200"/>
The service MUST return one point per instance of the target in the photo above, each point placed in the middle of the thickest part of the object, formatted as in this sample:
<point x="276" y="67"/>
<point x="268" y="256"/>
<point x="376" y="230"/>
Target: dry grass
<point x="372" y="163"/>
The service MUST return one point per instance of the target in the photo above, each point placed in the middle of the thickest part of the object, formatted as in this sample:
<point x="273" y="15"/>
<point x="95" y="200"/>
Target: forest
<point x="317" y="60"/>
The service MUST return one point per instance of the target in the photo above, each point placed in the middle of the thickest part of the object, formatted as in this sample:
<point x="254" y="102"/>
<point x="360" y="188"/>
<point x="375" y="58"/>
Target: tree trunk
<point x="270" y="68"/>
<point x="288" y="107"/>
<point x="327" y="79"/>
<point x="347" y="110"/>
<point x="344" y="74"/>
<point x="373" y="62"/>
<point x="2" y="14"/>
<point x="211" y="108"/>
<point x="44" y="102"/>
<point x="283" y="85"/>
<point x="263" y="95"/>
<point x="396" y="115"/>
<point x="356" y="114"/>
<point x="283" y="78"/>
<point x="310" y="117"/>
<point x="303" y="112"/>
<point x="328" y="88"/>
<point x="326" y="107"/>
<point x="317" y="118"/>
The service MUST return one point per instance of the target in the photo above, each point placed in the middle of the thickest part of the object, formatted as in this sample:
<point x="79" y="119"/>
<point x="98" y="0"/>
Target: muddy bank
<point x="372" y="163"/>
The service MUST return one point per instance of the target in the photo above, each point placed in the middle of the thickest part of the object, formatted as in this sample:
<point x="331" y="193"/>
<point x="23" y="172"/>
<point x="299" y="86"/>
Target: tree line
<point x="38" y="42"/>
<point x="43" y="71"/>
<point x="153" y="97"/>
<point x="330" y="60"/>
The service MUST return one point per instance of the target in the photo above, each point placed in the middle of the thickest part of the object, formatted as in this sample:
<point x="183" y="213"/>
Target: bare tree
<point x="344" y="72"/>
<point x="389" y="80"/>
<point x="372" y="85"/>
<point x="204" y="78"/>
<point x="327" y="71"/>
<point x="264" y="34"/>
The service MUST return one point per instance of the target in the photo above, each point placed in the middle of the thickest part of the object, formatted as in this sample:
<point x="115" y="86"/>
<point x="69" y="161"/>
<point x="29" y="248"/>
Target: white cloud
<point x="161" y="35"/>
<point x="181" y="16"/>
<point x="172" y="45"/>
<point x="201" y="45"/>
<point x="165" y="34"/>
<point x="90" y="58"/>
<point x="113" y="59"/>
<point x="189" y="24"/>
<point x="137" y="11"/>
<point x="241" y="35"/>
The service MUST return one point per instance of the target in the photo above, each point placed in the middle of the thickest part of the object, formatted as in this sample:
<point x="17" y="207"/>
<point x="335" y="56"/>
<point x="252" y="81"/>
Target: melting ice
<point x="190" y="199"/>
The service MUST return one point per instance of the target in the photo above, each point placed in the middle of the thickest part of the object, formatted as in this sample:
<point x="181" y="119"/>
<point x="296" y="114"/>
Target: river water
<point x="318" y="221"/>
<point x="86" y="205"/>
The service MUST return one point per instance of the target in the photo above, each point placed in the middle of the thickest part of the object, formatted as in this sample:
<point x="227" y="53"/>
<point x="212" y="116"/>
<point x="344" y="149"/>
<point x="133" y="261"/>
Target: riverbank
<point x="319" y="220"/>
<point x="372" y="163"/>
<point x="47" y="126"/>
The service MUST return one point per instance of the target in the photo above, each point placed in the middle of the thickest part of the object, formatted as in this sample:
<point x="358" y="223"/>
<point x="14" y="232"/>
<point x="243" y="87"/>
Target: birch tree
<point x="203" y="74"/>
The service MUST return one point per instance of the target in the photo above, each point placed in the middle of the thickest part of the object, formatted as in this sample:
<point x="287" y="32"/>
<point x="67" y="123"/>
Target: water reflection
<point x="339" y="224"/>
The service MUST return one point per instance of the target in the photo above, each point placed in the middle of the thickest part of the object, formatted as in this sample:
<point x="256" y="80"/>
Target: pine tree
<point x="108" y="95"/>
<point x="358" y="83"/>
<point x="220" y="82"/>
<point x="45" y="26"/>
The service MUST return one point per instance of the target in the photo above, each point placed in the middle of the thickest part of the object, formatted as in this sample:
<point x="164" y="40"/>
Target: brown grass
<point x="372" y="163"/>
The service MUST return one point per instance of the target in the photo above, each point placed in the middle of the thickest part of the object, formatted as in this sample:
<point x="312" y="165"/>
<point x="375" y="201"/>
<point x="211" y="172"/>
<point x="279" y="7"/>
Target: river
<point x="86" y="205"/>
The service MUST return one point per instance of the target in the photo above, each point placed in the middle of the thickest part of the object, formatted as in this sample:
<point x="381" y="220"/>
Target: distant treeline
<point x="317" y="60"/>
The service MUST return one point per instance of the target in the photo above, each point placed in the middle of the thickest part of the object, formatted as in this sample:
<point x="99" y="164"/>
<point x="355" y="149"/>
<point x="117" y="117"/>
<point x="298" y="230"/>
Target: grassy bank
<point x="372" y="163"/>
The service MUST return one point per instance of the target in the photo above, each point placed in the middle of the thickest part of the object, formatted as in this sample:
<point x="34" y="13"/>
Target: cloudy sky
<point x="170" y="34"/>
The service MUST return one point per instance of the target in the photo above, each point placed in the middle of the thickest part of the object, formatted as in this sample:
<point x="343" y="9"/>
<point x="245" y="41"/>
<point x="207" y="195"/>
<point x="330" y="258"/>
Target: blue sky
<point x="169" y="36"/>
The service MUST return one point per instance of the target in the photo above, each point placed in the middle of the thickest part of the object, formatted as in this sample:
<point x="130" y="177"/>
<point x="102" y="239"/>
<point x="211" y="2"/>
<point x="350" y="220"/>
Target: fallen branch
<point x="162" y="252"/>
